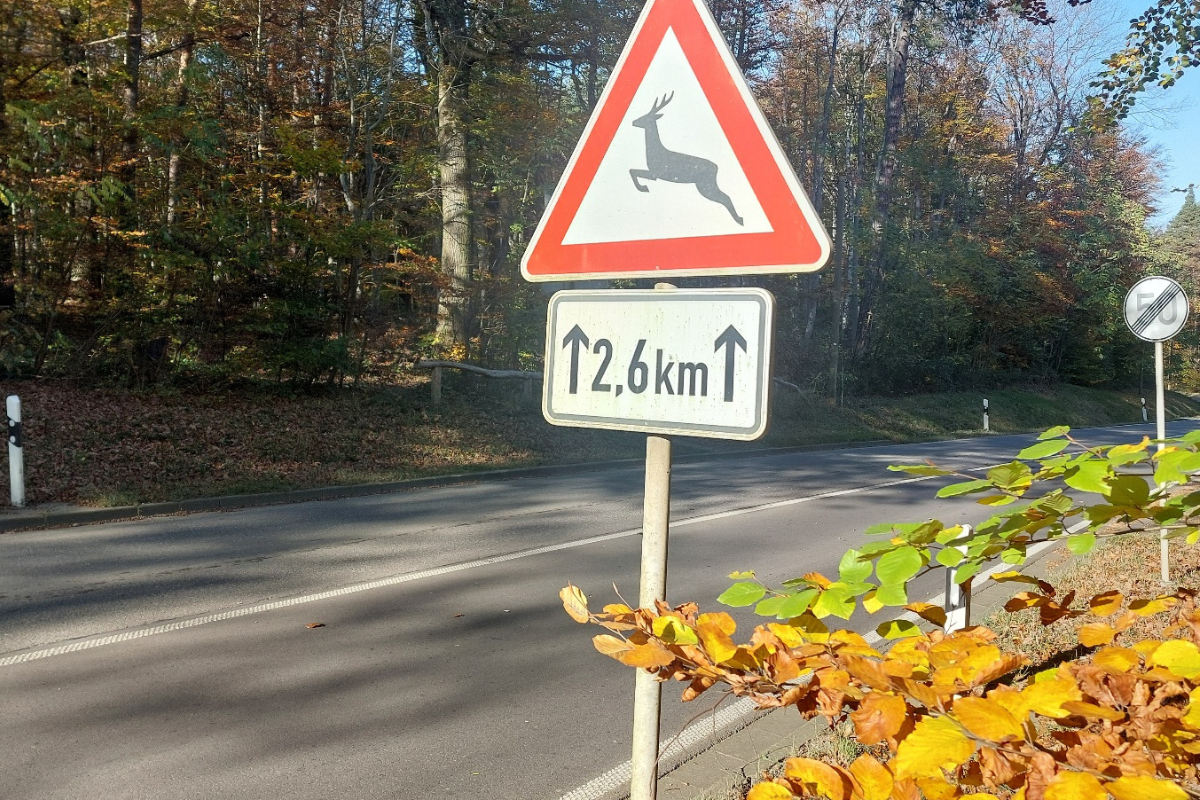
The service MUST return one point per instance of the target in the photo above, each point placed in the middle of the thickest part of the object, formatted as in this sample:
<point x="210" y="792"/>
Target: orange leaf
<point x="575" y="603"/>
<point x="878" y="717"/>
<point x="816" y="777"/>
<point x="1107" y="603"/>
<point x="929" y="612"/>
<point x="646" y="656"/>
<point x="610" y="645"/>
<point x="1116" y="659"/>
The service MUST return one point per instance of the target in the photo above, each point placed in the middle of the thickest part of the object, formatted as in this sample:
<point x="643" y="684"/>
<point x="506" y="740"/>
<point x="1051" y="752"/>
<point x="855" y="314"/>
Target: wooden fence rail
<point x="435" y="382"/>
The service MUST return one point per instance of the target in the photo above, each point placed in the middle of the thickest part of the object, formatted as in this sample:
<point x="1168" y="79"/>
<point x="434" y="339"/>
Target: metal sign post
<point x="1156" y="309"/>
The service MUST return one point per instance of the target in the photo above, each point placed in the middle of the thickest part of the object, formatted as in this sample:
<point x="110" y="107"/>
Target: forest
<point x="320" y="192"/>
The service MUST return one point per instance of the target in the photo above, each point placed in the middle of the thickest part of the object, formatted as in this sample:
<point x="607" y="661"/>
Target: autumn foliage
<point x="951" y="714"/>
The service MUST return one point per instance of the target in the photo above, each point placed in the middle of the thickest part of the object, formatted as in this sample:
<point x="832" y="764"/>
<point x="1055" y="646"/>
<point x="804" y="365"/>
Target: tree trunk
<point x="130" y="96"/>
<point x="885" y="178"/>
<point x="453" y="326"/>
<point x="181" y="99"/>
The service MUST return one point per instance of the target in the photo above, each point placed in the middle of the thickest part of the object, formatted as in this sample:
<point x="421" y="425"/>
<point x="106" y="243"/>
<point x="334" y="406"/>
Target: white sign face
<point x="694" y="362"/>
<point x="614" y="209"/>
<point x="1156" y="309"/>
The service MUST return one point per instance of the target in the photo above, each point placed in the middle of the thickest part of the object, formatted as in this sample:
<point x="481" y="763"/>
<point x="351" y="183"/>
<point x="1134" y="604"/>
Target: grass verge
<point x="107" y="447"/>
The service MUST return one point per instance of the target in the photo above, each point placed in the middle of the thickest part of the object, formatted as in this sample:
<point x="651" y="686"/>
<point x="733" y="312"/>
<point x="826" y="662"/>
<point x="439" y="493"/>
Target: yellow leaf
<point x="617" y="608"/>
<point x="786" y="633"/>
<point x="1144" y="608"/>
<point x="1046" y="697"/>
<point x="872" y="780"/>
<point x="1092" y="710"/>
<point x="1107" y="603"/>
<point x="770" y="791"/>
<point x="1075" y="786"/>
<point x="1144" y="787"/>
<point x="987" y="719"/>
<point x="871" y="601"/>
<point x="715" y="631"/>
<point x="1095" y="634"/>
<point x="1116" y="659"/>
<point x="817" y="778"/>
<point x="1181" y="658"/>
<point x="936" y="743"/>
<point x="575" y="603"/>
<point x="673" y="630"/>
<point x="938" y="788"/>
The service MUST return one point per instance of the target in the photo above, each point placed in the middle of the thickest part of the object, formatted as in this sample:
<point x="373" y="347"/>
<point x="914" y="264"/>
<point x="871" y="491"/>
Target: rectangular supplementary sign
<point x="694" y="362"/>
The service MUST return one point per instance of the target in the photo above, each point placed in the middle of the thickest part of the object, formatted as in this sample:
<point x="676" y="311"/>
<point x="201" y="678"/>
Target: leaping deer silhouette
<point x="667" y="165"/>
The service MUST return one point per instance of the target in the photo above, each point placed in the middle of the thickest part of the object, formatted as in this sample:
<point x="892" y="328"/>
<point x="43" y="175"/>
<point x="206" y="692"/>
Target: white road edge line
<point x="141" y="633"/>
<point x="697" y="731"/>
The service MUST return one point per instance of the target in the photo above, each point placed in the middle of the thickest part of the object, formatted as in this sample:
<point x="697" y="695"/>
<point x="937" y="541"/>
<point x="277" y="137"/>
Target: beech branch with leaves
<point x="950" y="712"/>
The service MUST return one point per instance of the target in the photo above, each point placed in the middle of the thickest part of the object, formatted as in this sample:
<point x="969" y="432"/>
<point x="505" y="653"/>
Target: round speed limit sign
<point x="1156" y="309"/>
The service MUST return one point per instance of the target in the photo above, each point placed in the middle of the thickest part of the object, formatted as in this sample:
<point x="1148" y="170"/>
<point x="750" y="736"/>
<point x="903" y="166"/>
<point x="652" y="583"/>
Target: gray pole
<point x="1160" y="413"/>
<point x="16" y="451"/>
<point x="647" y="692"/>
<point x="986" y="426"/>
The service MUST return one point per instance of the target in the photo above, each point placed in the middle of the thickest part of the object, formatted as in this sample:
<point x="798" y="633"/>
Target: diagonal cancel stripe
<point x="1148" y="315"/>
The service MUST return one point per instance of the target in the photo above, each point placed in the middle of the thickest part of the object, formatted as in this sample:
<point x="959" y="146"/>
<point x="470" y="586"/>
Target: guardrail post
<point x="985" y="415"/>
<point x="16" y="451"/>
<point x="435" y="386"/>
<point x="1145" y="416"/>
<point x="958" y="595"/>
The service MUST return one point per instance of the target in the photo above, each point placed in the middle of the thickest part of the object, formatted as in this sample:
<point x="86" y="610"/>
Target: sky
<point x="1170" y="120"/>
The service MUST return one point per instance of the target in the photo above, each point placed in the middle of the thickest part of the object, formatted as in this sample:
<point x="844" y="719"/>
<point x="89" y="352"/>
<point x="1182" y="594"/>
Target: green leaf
<point x="1013" y="555"/>
<point x="1014" y="476"/>
<point x="833" y="602"/>
<point x="898" y="629"/>
<point x="966" y="487"/>
<point x="741" y="576"/>
<point x="1081" y="543"/>
<point x="894" y="595"/>
<point x="1089" y="476"/>
<point x="996" y="500"/>
<point x="919" y="469"/>
<point x="882" y="527"/>
<point x="966" y="571"/>
<point x="853" y="569"/>
<point x="949" y="557"/>
<point x="1058" y="430"/>
<point x="898" y="566"/>
<point x="796" y="604"/>
<point x="770" y="606"/>
<point x="1044" y="449"/>
<point x="1129" y="490"/>
<point x="742" y="594"/>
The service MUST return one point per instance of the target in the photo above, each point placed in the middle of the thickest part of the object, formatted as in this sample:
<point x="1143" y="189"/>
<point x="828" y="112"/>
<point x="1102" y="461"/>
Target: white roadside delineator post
<point x="986" y="427"/>
<point x="16" y="451"/>
<point x="958" y="595"/>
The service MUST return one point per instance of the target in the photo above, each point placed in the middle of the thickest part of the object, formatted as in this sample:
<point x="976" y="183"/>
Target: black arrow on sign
<point x="575" y="338"/>
<point x="730" y="340"/>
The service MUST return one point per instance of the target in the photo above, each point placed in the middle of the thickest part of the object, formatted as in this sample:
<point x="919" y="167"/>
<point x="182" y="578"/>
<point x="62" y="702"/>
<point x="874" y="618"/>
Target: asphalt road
<point x="170" y="658"/>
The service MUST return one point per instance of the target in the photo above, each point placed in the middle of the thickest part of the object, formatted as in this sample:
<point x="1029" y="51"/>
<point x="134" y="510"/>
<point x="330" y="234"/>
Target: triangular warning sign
<point x="677" y="172"/>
